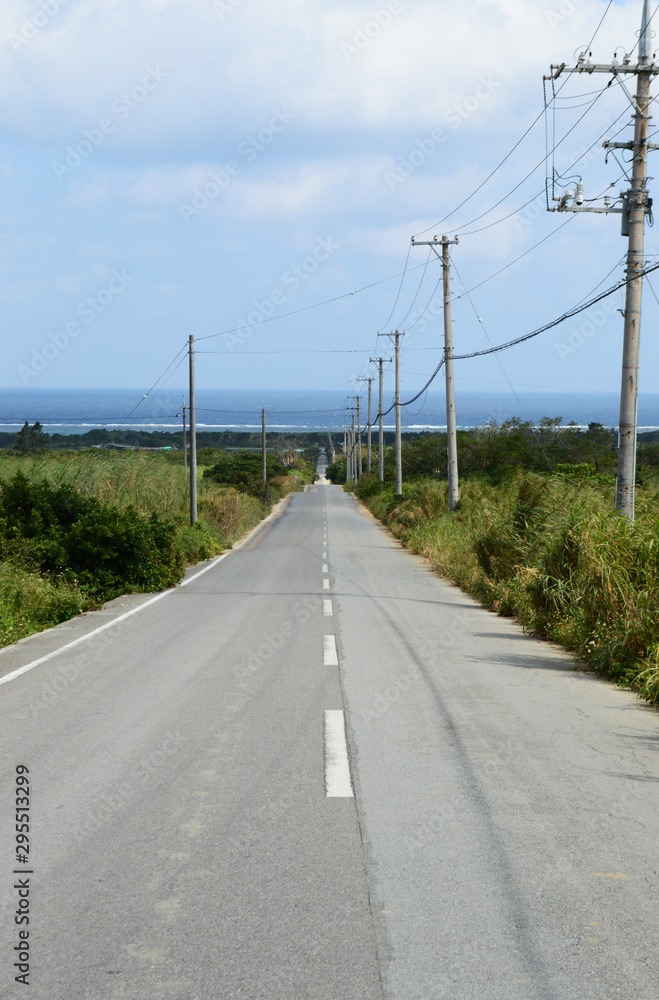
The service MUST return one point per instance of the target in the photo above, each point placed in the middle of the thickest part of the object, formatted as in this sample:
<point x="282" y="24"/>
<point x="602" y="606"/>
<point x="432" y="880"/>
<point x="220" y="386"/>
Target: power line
<point x="542" y="162"/>
<point x="588" y="47"/>
<point x="252" y="353"/>
<point x="489" y="176"/>
<point x="567" y="315"/>
<point x="315" y="305"/>
<point x="400" y="287"/>
<point x="526" y="252"/>
<point x="503" y="371"/>
<point x="423" y="275"/>
<point x="158" y="380"/>
<point x="528" y="336"/>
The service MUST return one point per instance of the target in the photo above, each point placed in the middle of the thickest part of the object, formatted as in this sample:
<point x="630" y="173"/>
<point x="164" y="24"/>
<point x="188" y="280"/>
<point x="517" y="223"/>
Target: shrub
<point x="56" y="530"/>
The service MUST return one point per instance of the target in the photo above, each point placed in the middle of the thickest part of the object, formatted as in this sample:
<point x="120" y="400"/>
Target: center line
<point x="327" y="607"/>
<point x="337" y="766"/>
<point x="330" y="656"/>
<point x="325" y="568"/>
<point x="326" y="585"/>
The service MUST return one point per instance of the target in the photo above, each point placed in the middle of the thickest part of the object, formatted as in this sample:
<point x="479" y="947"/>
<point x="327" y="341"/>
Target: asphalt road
<point x="193" y="824"/>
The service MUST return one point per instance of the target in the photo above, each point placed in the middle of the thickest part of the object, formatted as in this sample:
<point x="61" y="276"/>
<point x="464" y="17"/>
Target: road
<point x="194" y="829"/>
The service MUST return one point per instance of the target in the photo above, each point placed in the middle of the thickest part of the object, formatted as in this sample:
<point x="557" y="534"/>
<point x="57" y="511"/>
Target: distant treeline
<point x="491" y="452"/>
<point x="171" y="439"/>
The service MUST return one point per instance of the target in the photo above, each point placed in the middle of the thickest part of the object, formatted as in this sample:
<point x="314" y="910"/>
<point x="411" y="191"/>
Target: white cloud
<point x="226" y="72"/>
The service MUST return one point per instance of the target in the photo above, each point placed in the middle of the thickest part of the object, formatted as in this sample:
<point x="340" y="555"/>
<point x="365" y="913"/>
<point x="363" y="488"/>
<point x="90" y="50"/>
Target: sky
<point x="195" y="167"/>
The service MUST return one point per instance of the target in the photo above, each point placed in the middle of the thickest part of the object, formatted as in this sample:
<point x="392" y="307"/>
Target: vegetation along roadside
<point x="79" y="528"/>
<point x="535" y="536"/>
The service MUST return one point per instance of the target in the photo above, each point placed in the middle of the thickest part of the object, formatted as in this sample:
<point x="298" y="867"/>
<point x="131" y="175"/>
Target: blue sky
<point x="177" y="167"/>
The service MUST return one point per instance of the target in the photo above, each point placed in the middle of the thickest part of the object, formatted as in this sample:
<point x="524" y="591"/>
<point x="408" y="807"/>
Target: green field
<point x="79" y="528"/>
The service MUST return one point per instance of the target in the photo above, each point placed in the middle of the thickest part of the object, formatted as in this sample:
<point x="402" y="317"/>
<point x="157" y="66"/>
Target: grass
<point x="549" y="551"/>
<point x="30" y="603"/>
<point x="148" y="483"/>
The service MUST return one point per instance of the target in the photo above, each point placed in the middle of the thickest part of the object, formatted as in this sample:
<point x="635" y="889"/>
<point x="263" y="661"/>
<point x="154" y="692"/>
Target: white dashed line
<point x="327" y="607"/>
<point x="337" y="767"/>
<point x="325" y="568"/>
<point x="326" y="585"/>
<point x="330" y="656"/>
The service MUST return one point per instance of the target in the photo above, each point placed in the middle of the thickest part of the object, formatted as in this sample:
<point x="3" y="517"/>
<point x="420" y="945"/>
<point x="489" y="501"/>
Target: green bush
<point x="243" y="469"/>
<point x="58" y="531"/>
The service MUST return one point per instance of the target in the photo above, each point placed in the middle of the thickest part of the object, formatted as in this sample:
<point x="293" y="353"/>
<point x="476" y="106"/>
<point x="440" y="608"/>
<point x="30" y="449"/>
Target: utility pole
<point x="358" y="456"/>
<point x="380" y="362"/>
<point x="633" y="205"/>
<point x="451" y="432"/>
<point x="264" y="473"/>
<point x="369" y="379"/>
<point x="346" y="449"/>
<point x="359" y="441"/>
<point x="193" y="438"/>
<point x="185" y="443"/>
<point x="352" y="451"/>
<point x="399" y="443"/>
<point x="368" y="445"/>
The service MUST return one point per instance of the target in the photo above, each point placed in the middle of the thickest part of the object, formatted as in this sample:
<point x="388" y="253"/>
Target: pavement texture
<point x="501" y="841"/>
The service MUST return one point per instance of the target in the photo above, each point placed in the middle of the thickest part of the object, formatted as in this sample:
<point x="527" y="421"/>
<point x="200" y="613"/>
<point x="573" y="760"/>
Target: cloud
<point x="404" y="75"/>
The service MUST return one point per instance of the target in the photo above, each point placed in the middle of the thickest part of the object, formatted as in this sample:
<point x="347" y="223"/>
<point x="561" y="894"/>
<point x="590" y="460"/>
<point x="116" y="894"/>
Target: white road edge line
<point x="328" y="611"/>
<point x="102" y="628"/>
<point x="337" y="766"/>
<point x="330" y="655"/>
<point x="127" y="614"/>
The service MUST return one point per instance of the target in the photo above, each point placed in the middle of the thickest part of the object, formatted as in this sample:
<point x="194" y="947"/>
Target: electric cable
<point x="528" y="336"/>
<point x="314" y="305"/>
<point x="590" y="43"/>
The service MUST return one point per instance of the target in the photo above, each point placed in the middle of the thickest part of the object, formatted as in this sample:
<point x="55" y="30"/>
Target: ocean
<point x="74" y="411"/>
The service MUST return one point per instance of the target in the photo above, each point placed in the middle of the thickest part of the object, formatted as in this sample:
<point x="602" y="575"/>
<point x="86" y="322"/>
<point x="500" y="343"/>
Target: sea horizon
<point x="74" y="411"/>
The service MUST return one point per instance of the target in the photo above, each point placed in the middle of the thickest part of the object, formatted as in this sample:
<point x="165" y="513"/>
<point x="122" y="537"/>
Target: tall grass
<point x="550" y="551"/>
<point x="141" y="480"/>
<point x="146" y="482"/>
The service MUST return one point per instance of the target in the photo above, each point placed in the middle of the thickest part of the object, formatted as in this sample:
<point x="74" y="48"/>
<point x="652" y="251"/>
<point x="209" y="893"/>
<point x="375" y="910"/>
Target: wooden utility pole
<point x="185" y="443"/>
<point x="358" y="454"/>
<point x="264" y="473"/>
<point x="380" y="362"/>
<point x="451" y="432"/>
<point x="193" y="437"/>
<point x="353" y="466"/>
<point x="633" y="205"/>
<point x="399" y="443"/>
<point x="369" y="379"/>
